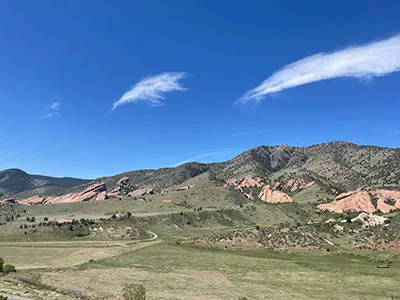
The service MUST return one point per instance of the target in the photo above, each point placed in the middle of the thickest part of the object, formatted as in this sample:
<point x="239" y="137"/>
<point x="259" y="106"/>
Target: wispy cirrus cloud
<point x="247" y="132"/>
<point x="152" y="89"/>
<point x="52" y="110"/>
<point x="196" y="158"/>
<point x="371" y="60"/>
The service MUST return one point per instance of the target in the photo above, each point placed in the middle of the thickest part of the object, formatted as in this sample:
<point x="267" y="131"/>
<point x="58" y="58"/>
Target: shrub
<point x="9" y="269"/>
<point x="1" y="264"/>
<point x="134" y="292"/>
<point x="3" y="297"/>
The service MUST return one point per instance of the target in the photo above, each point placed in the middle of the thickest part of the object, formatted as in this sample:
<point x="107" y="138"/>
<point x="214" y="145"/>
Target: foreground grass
<point x="186" y="272"/>
<point x="40" y="255"/>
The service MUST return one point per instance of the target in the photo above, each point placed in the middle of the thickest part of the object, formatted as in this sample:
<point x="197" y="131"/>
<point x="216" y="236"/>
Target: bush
<point x="134" y="292"/>
<point x="1" y="264"/>
<point x="9" y="269"/>
<point x="3" y="297"/>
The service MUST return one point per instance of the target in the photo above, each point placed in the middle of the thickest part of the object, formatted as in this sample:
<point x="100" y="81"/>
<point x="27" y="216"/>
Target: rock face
<point x="297" y="184"/>
<point x="274" y="196"/>
<point x="93" y="192"/>
<point x="32" y="200"/>
<point x="359" y="201"/>
<point x="8" y="201"/>
<point x="387" y="200"/>
<point x="124" y="182"/>
<point x="141" y="192"/>
<point x="248" y="181"/>
<point x="369" y="220"/>
<point x="251" y="182"/>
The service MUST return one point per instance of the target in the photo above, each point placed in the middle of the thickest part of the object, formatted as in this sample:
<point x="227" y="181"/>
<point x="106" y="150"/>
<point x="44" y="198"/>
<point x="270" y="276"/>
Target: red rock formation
<point x="141" y="192"/>
<point x="297" y="184"/>
<point x="388" y="200"/>
<point x="124" y="182"/>
<point x="358" y="201"/>
<point x="93" y="192"/>
<point x="251" y="182"/>
<point x="274" y="196"/>
<point x="32" y="200"/>
<point x="8" y="201"/>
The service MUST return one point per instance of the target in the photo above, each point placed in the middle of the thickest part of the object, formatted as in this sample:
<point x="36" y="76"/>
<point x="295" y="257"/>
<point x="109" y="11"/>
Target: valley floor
<point x="170" y="270"/>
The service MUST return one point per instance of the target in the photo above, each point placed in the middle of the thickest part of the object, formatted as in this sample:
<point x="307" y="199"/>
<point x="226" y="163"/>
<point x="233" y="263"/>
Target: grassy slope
<point x="186" y="272"/>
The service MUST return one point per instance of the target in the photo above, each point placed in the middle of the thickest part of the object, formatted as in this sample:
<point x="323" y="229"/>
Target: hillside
<point x="342" y="166"/>
<point x="15" y="181"/>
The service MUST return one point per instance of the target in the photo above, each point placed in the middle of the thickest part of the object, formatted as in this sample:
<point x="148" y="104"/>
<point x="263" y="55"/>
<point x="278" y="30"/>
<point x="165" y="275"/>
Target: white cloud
<point x="152" y="89"/>
<point x="196" y="158"/>
<point x="54" y="106"/>
<point x="247" y="132"/>
<point x="371" y="60"/>
<point x="52" y="110"/>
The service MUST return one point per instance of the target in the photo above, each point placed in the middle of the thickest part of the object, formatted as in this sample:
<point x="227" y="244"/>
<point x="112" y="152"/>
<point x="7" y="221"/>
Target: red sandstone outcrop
<point x="387" y="200"/>
<point x="251" y="182"/>
<point x="94" y="192"/>
<point x="8" y="201"/>
<point x="274" y="196"/>
<point x="359" y="201"/>
<point x="141" y="192"/>
<point x="124" y="182"/>
<point x="32" y="200"/>
<point x="297" y="184"/>
<point x="248" y="181"/>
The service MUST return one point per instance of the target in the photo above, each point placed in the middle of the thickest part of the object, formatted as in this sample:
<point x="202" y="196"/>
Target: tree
<point x="9" y="269"/>
<point x="134" y="292"/>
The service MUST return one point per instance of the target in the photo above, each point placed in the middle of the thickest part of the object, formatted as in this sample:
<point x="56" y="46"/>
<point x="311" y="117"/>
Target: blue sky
<point x="64" y="64"/>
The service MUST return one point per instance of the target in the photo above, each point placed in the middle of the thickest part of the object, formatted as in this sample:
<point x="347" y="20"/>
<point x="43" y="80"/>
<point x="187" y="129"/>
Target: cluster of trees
<point x="6" y="268"/>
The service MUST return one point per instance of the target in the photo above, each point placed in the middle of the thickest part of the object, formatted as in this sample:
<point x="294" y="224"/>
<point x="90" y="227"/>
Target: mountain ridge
<point x="340" y="165"/>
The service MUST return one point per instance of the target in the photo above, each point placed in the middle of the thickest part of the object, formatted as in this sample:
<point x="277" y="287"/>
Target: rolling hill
<point x="343" y="166"/>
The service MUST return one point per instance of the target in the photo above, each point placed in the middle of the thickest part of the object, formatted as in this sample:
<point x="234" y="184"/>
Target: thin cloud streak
<point x="152" y="89"/>
<point x="246" y="132"/>
<point x="367" y="61"/>
<point x="195" y="158"/>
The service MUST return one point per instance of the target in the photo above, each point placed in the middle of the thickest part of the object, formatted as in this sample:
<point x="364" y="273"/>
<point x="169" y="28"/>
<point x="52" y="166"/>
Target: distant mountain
<point x="340" y="165"/>
<point x="16" y="181"/>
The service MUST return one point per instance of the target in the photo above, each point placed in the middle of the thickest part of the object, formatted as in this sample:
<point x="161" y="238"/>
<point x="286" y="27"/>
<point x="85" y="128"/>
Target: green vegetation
<point x="134" y="292"/>
<point x="6" y="268"/>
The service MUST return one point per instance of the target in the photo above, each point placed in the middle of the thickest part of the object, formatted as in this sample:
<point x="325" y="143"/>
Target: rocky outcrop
<point x="32" y="200"/>
<point x="297" y="184"/>
<point x="251" y="182"/>
<point x="358" y="201"/>
<point x="94" y="192"/>
<point x="8" y="201"/>
<point x="248" y="181"/>
<point x="361" y="201"/>
<point x="369" y="220"/>
<point x="124" y="182"/>
<point x="141" y="192"/>
<point x="274" y="196"/>
<point x="387" y="200"/>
